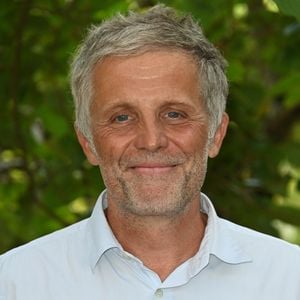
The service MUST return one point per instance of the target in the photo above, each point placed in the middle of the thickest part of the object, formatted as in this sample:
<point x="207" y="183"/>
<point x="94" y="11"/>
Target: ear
<point x="220" y="133"/>
<point x="86" y="147"/>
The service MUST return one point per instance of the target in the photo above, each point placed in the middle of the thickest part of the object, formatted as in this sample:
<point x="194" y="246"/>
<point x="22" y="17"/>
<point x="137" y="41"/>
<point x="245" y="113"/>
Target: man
<point x="150" y="94"/>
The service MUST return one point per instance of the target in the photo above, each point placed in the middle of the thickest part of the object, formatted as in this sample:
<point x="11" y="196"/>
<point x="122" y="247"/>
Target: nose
<point x="151" y="136"/>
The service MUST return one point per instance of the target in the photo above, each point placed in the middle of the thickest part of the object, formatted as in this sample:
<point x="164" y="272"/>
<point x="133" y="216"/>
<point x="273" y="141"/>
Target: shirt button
<point x="159" y="293"/>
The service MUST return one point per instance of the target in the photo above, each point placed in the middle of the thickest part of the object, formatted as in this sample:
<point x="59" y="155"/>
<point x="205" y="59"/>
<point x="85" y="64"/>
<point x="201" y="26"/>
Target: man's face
<point x="150" y="131"/>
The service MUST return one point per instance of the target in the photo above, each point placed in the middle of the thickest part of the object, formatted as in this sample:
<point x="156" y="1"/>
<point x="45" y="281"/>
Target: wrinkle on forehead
<point x="149" y="71"/>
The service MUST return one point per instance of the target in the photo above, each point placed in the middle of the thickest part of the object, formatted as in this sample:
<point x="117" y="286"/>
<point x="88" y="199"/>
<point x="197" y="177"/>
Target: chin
<point x="154" y="202"/>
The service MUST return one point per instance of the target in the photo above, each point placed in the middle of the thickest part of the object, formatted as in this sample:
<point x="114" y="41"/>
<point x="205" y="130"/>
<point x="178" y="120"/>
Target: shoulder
<point x="46" y="248"/>
<point x="262" y="245"/>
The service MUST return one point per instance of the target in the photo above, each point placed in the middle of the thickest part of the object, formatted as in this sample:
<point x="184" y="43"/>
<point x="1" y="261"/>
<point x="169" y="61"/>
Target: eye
<point x="173" y="115"/>
<point x="122" y="118"/>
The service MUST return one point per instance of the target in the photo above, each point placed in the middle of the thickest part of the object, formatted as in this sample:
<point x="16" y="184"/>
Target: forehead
<point x="155" y="61"/>
<point x="161" y="74"/>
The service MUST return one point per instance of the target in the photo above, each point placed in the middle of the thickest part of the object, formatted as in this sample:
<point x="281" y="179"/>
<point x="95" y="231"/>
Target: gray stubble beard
<point x="189" y="189"/>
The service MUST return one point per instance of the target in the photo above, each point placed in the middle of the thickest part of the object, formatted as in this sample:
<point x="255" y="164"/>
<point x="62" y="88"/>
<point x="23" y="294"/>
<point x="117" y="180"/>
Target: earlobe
<point x="86" y="147"/>
<point x="218" y="138"/>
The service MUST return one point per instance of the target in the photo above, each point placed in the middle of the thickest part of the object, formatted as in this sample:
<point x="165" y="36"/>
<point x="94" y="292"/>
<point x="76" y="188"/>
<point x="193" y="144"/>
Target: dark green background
<point x="45" y="181"/>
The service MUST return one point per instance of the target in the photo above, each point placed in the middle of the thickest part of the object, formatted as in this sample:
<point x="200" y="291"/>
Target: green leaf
<point x="290" y="7"/>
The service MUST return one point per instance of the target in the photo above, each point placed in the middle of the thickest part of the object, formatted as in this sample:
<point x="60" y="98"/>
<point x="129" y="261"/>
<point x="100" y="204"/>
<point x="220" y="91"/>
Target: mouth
<point x="152" y="169"/>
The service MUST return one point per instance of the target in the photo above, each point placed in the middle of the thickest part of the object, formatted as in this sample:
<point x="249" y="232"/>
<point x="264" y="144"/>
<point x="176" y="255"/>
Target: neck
<point x="161" y="243"/>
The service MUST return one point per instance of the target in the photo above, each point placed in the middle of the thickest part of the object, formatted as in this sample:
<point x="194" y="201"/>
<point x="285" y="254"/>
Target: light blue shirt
<point x="85" y="261"/>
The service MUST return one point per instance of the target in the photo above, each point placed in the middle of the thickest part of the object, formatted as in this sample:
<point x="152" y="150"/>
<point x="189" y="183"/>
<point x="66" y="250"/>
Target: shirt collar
<point x="217" y="241"/>
<point x="100" y="236"/>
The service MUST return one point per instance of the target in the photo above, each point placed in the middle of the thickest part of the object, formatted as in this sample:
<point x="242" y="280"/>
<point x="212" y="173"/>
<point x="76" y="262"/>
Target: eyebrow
<point x="117" y="105"/>
<point x="176" y="103"/>
<point x="125" y="104"/>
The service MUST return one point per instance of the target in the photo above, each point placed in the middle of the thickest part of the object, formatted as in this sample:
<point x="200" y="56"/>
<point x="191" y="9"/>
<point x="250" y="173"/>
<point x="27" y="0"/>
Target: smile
<point x="152" y="169"/>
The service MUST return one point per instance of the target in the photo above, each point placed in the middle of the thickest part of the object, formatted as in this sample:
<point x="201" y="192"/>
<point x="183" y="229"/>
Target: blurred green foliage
<point x="45" y="180"/>
<point x="290" y="7"/>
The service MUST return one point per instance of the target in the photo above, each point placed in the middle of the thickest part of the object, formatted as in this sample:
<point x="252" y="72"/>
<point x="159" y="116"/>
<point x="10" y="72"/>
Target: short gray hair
<point x="159" y="27"/>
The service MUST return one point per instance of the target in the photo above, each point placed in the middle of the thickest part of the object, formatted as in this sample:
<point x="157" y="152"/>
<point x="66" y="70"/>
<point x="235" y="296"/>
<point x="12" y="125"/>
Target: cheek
<point x="109" y="157"/>
<point x="190" y="139"/>
<point x="110" y="147"/>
